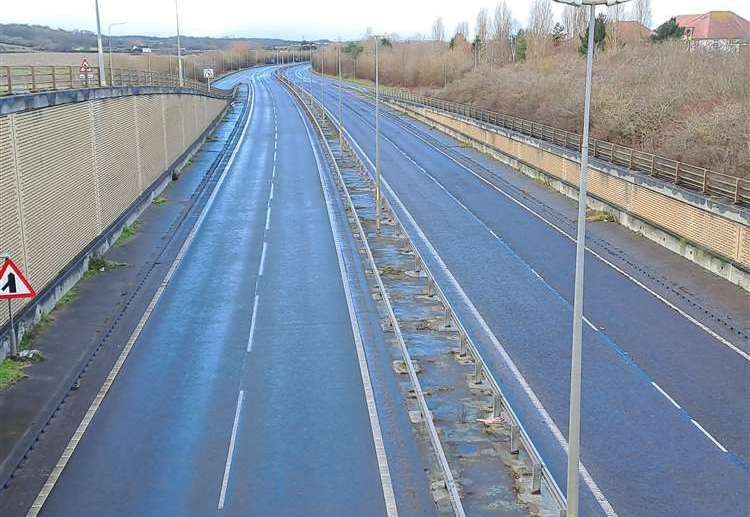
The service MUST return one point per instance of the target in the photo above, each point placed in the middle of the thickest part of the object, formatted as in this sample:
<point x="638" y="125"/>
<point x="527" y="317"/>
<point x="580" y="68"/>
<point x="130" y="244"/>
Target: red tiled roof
<point x="716" y="25"/>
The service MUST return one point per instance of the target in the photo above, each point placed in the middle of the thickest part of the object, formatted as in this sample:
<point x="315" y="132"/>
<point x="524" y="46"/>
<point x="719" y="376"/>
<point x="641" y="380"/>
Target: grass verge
<point x="11" y="371"/>
<point x="128" y="233"/>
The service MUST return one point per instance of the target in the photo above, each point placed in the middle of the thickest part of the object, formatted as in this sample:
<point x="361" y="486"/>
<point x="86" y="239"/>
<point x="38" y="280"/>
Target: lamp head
<point x="579" y="3"/>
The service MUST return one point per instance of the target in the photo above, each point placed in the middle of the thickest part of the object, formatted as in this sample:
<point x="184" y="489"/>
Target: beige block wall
<point x="68" y="172"/>
<point x="713" y="232"/>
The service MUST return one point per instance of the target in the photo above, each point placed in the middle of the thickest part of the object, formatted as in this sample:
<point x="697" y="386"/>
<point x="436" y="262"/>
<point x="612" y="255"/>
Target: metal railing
<point x="520" y="437"/>
<point x="706" y="181"/>
<point x="16" y="80"/>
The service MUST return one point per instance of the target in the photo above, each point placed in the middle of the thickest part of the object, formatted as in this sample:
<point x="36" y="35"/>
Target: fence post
<point x="653" y="165"/>
<point x="33" y="78"/>
<point x="737" y="190"/>
<point x="677" y="173"/>
<point x="10" y="79"/>
<point x="54" y="78"/>
<point x="705" y="181"/>
<point x="630" y="162"/>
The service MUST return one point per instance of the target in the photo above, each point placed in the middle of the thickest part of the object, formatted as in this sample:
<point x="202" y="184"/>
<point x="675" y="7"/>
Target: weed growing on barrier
<point x="128" y="233"/>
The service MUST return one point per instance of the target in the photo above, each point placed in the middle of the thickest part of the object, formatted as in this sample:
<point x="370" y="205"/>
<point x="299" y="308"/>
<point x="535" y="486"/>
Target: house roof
<point x="716" y="25"/>
<point x="631" y="31"/>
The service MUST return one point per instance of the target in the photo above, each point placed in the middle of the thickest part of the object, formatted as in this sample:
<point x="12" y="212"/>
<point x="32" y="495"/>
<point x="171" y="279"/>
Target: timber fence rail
<point x="15" y="80"/>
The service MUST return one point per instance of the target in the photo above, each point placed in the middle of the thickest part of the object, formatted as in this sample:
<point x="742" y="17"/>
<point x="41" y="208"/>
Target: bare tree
<point x="642" y="12"/>
<point x="482" y="32"/>
<point x="540" y="28"/>
<point x="540" y="18"/>
<point x="615" y="14"/>
<point x="574" y="20"/>
<point x="438" y="29"/>
<point x="502" y="28"/>
<point x="463" y="29"/>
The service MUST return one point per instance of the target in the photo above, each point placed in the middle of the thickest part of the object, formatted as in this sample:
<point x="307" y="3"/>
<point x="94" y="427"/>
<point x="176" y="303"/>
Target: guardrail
<point x="700" y="179"/>
<point x="16" y="80"/>
<point x="520" y="437"/>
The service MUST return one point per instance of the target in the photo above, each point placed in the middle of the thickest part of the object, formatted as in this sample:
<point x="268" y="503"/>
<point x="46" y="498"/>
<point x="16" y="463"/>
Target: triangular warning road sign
<point x="13" y="284"/>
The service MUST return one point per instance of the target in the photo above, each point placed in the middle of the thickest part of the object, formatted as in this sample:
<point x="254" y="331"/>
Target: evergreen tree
<point x="668" y="30"/>
<point x="600" y="34"/>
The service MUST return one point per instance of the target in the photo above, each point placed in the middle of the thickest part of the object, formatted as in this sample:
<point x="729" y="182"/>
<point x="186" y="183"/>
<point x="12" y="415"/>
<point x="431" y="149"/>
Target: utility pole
<point x="102" y="78"/>
<point x="179" y="52"/>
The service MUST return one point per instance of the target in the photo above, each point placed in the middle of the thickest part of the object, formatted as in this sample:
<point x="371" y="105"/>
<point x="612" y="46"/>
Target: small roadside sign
<point x="84" y="71"/>
<point x="13" y="283"/>
<point x="208" y="73"/>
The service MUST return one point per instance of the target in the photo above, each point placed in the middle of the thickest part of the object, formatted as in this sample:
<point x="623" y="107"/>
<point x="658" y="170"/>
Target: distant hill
<point x="15" y="37"/>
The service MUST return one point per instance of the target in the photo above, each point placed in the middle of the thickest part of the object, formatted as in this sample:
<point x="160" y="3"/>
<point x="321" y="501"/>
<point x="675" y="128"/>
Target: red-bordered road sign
<point x="13" y="283"/>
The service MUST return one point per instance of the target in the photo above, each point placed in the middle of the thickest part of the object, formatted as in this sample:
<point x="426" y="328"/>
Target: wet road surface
<point x="665" y="413"/>
<point x="243" y="394"/>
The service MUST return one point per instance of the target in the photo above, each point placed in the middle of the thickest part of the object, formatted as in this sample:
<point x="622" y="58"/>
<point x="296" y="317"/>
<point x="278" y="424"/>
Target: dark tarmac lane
<point x="658" y="389"/>
<point x="243" y="394"/>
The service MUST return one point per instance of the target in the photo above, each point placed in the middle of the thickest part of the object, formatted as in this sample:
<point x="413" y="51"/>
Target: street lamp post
<point x="378" y="200"/>
<point x="109" y="33"/>
<point x="100" y="50"/>
<point x="574" y="421"/>
<point x="322" y="75"/>
<point x="179" y="52"/>
<point x="341" y="117"/>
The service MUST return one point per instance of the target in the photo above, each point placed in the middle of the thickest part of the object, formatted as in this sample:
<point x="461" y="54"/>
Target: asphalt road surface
<point x="665" y="412"/>
<point x="243" y="394"/>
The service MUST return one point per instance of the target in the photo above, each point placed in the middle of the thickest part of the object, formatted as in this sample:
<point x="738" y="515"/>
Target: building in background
<point x="627" y="32"/>
<point x="722" y="30"/>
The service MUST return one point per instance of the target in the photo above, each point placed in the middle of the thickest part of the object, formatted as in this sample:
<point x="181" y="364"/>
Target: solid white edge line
<point x="230" y="451"/>
<point x="268" y="217"/>
<point x="640" y="284"/>
<point x="252" y="323"/>
<point x="372" y="410"/>
<point x="590" y="483"/>
<point x="666" y="395"/>
<point x="94" y="407"/>
<point x="708" y="435"/>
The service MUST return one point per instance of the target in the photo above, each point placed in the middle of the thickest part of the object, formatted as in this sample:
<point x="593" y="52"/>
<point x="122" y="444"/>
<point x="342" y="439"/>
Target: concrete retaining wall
<point x="711" y="233"/>
<point x="70" y="173"/>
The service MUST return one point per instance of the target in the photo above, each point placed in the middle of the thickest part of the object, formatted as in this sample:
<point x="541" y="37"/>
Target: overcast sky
<point x="292" y="19"/>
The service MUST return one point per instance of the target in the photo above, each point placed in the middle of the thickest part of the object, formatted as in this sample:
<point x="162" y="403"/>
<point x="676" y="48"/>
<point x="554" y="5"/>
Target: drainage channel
<point x="480" y="464"/>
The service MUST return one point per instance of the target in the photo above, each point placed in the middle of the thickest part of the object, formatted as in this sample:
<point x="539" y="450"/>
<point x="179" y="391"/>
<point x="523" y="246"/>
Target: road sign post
<point x="84" y="72"/>
<point x="13" y="284"/>
<point x="208" y="74"/>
